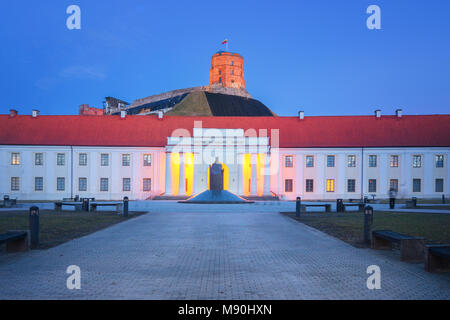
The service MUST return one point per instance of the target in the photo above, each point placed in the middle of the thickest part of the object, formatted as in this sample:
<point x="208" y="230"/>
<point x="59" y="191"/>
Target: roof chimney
<point x="160" y="114"/>
<point x="123" y="114"/>
<point x="399" y="113"/>
<point x="378" y="113"/>
<point x="13" y="113"/>
<point x="301" y="115"/>
<point x="35" y="113"/>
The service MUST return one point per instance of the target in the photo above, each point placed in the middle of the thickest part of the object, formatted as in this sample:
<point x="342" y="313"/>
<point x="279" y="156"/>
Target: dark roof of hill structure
<point x="157" y="105"/>
<point x="224" y="105"/>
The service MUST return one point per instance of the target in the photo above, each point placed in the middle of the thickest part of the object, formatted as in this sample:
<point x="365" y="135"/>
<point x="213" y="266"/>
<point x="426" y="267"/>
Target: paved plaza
<point x="190" y="251"/>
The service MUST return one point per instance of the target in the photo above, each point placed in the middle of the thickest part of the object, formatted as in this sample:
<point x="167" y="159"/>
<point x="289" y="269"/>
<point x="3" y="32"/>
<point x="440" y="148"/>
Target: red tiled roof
<point x="149" y="131"/>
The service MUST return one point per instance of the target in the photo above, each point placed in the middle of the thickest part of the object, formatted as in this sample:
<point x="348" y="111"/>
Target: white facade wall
<point x="71" y="171"/>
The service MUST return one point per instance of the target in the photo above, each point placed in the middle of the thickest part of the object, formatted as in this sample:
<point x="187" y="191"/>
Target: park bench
<point x="15" y="240"/>
<point x="360" y="206"/>
<point x="326" y="205"/>
<point x="8" y="202"/>
<point x="119" y="205"/>
<point x="437" y="258"/>
<point x="60" y="204"/>
<point x="411" y="204"/>
<point x="411" y="248"/>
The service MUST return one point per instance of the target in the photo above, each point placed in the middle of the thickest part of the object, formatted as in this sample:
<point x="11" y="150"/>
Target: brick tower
<point x="227" y="69"/>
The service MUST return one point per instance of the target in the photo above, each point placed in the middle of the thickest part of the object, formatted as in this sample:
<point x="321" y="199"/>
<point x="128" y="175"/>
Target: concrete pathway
<point x="187" y="251"/>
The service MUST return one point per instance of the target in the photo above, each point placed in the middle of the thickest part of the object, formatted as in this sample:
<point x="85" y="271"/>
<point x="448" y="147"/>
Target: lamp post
<point x="368" y="222"/>
<point x="298" y="206"/>
<point x="34" y="226"/>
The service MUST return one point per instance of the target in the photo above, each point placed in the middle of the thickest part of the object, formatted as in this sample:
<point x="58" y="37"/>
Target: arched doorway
<point x="226" y="176"/>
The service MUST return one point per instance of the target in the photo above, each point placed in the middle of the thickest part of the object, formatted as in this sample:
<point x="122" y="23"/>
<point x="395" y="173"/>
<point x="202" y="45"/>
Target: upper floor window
<point x="309" y="161"/>
<point x="288" y="162"/>
<point x="232" y="72"/>
<point x="83" y="159"/>
<point x="15" y="158"/>
<point x="439" y="161"/>
<point x="61" y="159"/>
<point x="330" y="161"/>
<point x="126" y="160"/>
<point x="220" y="72"/>
<point x="372" y="161"/>
<point x="104" y="159"/>
<point x="417" y="161"/>
<point x="38" y="159"/>
<point x="232" y="63"/>
<point x="147" y="160"/>
<point x="351" y="161"/>
<point x="394" y="161"/>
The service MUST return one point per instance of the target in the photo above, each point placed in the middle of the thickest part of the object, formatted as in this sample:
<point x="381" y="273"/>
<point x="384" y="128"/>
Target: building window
<point x="60" y="184"/>
<point x="351" y="185"/>
<point x="147" y="160"/>
<point x="439" y="185"/>
<point x="15" y="158"/>
<point x="147" y="184"/>
<point x="330" y="185"/>
<point x="220" y="80"/>
<point x="82" y="184"/>
<point x="61" y="159"/>
<point x="417" y="161"/>
<point x="15" y="183"/>
<point x="83" y="159"/>
<point x="232" y="63"/>
<point x="330" y="161"/>
<point x="288" y="162"/>
<point x="126" y="160"/>
<point x="372" y="185"/>
<point x="309" y="161"/>
<point x="103" y="184"/>
<point x="309" y="185"/>
<point x="288" y="185"/>
<point x="38" y="159"/>
<point x="104" y="159"/>
<point x="394" y="161"/>
<point x="38" y="183"/>
<point x="351" y="161"/>
<point x="372" y="161"/>
<point x="393" y="184"/>
<point x="220" y="72"/>
<point x="439" y="161"/>
<point x="126" y="184"/>
<point x="416" y="185"/>
<point x="232" y="72"/>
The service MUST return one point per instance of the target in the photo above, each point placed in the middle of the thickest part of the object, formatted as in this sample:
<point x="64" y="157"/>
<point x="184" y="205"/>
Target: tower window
<point x="232" y="72"/>
<point x="220" y="80"/>
<point x="232" y="63"/>
<point x="220" y="72"/>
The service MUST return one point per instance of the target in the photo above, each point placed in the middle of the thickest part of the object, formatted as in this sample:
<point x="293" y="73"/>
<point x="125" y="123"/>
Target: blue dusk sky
<point x="315" y="55"/>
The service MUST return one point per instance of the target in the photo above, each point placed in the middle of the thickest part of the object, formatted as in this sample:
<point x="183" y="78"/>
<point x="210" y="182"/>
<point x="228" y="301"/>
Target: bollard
<point x="443" y="199"/>
<point x="368" y="222"/>
<point x="414" y="200"/>
<point x="34" y="226"/>
<point x="125" y="206"/>
<point x="340" y="205"/>
<point x="85" y="205"/>
<point x="298" y="205"/>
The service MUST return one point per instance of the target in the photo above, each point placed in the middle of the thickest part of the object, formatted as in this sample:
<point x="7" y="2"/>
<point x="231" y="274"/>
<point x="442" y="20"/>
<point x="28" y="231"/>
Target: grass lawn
<point x="441" y="207"/>
<point x="349" y="226"/>
<point x="57" y="227"/>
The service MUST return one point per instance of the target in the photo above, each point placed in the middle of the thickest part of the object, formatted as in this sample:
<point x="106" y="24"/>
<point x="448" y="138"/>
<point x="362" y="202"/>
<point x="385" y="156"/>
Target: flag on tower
<point x="225" y="41"/>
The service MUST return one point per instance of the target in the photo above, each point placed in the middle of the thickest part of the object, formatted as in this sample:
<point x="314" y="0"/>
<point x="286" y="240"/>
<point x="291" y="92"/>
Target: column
<point x="168" y="181"/>
<point x="267" y="175"/>
<point x="240" y="174"/>
<point x="197" y="167"/>
<point x="182" y="184"/>
<point x="254" y="186"/>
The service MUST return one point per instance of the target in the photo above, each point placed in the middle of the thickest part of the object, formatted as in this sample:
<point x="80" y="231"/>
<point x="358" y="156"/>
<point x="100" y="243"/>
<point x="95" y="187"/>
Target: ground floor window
<point x="38" y="183"/>
<point x="330" y="185"/>
<point x="372" y="185"/>
<point x="439" y="185"/>
<point x="416" y="185"/>
<point x="103" y="184"/>
<point x="288" y="185"/>
<point x="15" y="183"/>
<point x="82" y="184"/>
<point x="309" y="185"/>
<point x="126" y="184"/>
<point x="147" y="184"/>
<point x="393" y="184"/>
<point x="60" y="184"/>
<point x="351" y="185"/>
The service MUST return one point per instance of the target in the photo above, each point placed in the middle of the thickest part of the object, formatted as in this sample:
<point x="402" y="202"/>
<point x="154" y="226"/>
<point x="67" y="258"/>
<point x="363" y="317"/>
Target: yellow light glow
<point x="175" y="170"/>
<point x="189" y="173"/>
<point x="260" y="174"/>
<point x="246" y="174"/>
